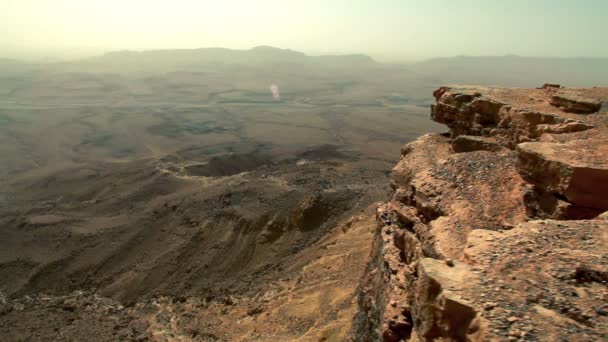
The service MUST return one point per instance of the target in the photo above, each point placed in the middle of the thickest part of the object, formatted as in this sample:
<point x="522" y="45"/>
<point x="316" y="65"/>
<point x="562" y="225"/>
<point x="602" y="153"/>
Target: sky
<point x="385" y="29"/>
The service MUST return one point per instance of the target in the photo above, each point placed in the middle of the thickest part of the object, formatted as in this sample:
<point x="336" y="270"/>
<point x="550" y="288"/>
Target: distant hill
<point x="517" y="71"/>
<point x="8" y="65"/>
<point x="271" y="62"/>
<point x="261" y="55"/>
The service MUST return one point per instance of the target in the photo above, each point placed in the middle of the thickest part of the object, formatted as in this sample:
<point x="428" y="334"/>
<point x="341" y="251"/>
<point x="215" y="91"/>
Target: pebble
<point x="512" y="319"/>
<point x="515" y="333"/>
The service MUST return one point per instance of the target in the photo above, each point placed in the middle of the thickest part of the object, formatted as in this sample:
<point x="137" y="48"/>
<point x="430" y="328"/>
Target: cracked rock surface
<point x="496" y="231"/>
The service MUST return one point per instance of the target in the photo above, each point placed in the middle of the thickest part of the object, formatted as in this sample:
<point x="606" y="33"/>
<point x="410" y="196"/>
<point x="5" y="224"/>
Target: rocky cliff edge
<point x="497" y="230"/>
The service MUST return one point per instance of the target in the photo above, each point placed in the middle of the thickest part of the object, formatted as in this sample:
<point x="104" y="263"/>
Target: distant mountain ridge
<point x="519" y="71"/>
<point x="255" y="56"/>
<point x="507" y="70"/>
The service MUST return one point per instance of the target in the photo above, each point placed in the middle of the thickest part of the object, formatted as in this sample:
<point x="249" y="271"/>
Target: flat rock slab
<point x="575" y="103"/>
<point x="577" y="170"/>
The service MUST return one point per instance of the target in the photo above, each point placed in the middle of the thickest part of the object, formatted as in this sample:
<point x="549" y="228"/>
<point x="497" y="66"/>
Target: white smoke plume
<point x="274" y="89"/>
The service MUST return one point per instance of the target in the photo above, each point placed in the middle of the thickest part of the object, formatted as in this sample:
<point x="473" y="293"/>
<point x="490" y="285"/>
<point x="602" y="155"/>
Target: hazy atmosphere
<point x="389" y="30"/>
<point x="308" y="171"/>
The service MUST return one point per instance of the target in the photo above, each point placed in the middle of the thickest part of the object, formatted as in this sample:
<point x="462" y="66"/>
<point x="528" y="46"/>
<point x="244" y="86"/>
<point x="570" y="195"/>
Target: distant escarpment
<point x="497" y="230"/>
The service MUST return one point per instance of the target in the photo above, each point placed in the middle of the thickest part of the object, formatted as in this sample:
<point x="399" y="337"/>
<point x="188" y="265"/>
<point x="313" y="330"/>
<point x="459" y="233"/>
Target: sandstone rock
<point x="542" y="204"/>
<point x="418" y="155"/>
<point x="440" y="308"/>
<point x="575" y="103"/>
<point x="456" y="257"/>
<point x="480" y="113"/>
<point x="577" y="170"/>
<point x="452" y="199"/>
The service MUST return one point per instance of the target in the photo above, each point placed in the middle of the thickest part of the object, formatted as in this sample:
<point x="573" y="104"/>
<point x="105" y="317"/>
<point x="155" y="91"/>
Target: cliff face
<point x="495" y="230"/>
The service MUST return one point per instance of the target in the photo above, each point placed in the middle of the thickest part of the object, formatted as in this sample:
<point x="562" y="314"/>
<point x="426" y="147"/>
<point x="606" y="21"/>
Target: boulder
<point x="573" y="103"/>
<point x="443" y="312"/>
<point x="550" y="86"/>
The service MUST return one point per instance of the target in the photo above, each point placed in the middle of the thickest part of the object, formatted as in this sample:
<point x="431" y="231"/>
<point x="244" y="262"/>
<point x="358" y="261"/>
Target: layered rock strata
<point x="496" y="230"/>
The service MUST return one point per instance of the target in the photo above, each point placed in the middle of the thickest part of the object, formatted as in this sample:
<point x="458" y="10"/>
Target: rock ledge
<point x="499" y="230"/>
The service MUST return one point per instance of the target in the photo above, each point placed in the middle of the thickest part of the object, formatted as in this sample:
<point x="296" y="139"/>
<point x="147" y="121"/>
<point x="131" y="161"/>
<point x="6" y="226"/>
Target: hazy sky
<point x="385" y="29"/>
